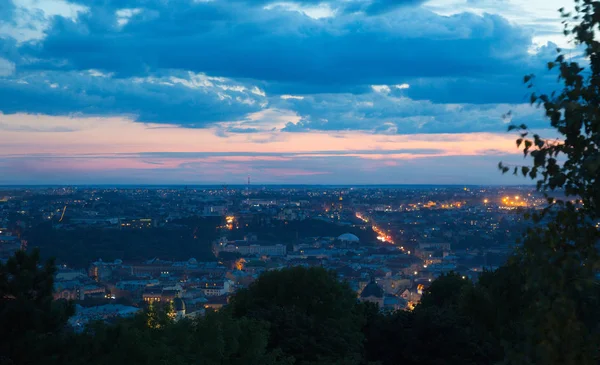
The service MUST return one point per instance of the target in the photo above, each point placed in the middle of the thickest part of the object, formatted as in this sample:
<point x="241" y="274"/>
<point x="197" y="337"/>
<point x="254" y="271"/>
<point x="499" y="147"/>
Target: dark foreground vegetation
<point x="304" y="316"/>
<point x="541" y="307"/>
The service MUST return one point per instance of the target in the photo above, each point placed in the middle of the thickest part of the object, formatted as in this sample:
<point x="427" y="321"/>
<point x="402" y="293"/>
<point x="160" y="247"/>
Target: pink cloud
<point x="45" y="145"/>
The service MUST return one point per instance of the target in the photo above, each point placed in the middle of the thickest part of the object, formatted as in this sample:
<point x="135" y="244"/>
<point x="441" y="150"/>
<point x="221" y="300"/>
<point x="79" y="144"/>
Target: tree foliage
<point x="215" y="339"/>
<point x="569" y="165"/>
<point x="313" y="317"/>
<point x="445" y="291"/>
<point x="560" y="259"/>
<point x="78" y="247"/>
<point x="31" y="322"/>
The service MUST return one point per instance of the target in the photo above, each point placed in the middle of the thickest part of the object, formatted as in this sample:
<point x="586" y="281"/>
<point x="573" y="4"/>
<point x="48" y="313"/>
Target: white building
<point x="214" y="288"/>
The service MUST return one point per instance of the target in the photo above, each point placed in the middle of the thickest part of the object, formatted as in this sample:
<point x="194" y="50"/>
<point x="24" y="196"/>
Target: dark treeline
<point x="180" y="240"/>
<point x="289" y="232"/>
<point x="294" y="316"/>
<point x="79" y="246"/>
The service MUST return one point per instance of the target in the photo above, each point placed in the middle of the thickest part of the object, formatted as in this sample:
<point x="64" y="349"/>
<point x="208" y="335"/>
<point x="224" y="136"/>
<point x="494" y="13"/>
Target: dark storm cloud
<point x="239" y="41"/>
<point x="136" y="49"/>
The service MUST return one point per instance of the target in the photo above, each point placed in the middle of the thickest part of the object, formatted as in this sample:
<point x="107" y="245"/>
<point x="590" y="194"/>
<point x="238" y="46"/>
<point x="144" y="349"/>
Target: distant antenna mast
<point x="248" y="191"/>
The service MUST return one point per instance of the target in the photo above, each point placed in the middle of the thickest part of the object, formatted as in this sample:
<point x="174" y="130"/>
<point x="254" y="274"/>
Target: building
<point x="102" y="271"/>
<point x="135" y="285"/>
<point x="100" y="313"/>
<point x="69" y="290"/>
<point x="348" y="238"/>
<point x="214" y="288"/>
<point x="391" y="284"/>
<point x="373" y="293"/>
<point x="211" y="210"/>
<point x="179" y="308"/>
<point x="216" y="303"/>
<point x="426" y="250"/>
<point x="157" y="267"/>
<point x="92" y="290"/>
<point x="168" y="295"/>
<point x="152" y="294"/>
<point x="393" y="303"/>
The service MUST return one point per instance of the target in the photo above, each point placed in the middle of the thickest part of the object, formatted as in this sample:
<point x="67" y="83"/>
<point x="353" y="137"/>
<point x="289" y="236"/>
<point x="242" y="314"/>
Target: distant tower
<point x="248" y="191"/>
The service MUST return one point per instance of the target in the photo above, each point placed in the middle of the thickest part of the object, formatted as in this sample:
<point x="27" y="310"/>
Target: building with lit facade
<point x="214" y="288"/>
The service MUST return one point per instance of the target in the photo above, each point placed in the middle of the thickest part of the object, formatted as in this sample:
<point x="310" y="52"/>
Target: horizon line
<point x="253" y="185"/>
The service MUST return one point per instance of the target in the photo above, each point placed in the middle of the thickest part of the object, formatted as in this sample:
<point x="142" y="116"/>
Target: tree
<point x="313" y="317"/>
<point x="216" y="339"/>
<point x="445" y="291"/>
<point x="31" y="321"/>
<point x="428" y="335"/>
<point x="561" y="259"/>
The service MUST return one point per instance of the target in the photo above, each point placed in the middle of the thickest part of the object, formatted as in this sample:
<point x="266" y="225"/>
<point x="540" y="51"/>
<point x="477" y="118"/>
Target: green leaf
<point x="533" y="174"/>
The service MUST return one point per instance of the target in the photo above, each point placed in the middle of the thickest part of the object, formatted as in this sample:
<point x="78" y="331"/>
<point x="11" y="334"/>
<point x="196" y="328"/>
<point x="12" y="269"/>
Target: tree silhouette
<point x="31" y="321"/>
<point x="312" y="315"/>
<point x="560" y="259"/>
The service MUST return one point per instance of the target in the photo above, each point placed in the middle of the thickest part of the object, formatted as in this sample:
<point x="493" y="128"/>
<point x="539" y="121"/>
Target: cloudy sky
<point x="309" y="91"/>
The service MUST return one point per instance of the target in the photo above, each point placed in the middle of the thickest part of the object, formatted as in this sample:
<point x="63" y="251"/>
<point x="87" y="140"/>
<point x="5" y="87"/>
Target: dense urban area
<point x="120" y="250"/>
<point x="302" y="92"/>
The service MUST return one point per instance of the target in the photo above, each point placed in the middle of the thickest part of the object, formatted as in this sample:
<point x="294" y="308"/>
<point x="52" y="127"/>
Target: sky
<point x="301" y="92"/>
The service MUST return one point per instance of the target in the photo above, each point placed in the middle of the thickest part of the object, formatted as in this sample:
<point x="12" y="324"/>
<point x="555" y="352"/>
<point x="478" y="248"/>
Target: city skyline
<point x="303" y="92"/>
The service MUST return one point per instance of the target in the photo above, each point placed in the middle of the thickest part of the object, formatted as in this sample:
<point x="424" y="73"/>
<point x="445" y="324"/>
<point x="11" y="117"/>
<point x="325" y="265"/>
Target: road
<point x="381" y="234"/>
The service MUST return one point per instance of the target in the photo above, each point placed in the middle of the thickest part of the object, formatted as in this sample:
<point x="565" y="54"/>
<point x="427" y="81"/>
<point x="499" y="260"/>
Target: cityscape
<point x="119" y="249"/>
<point x="299" y="182"/>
